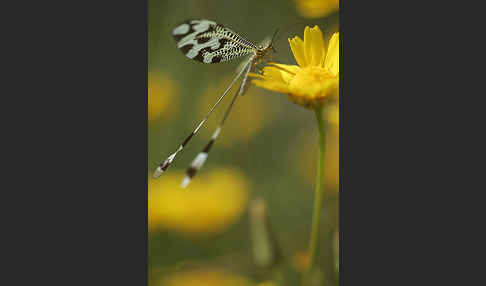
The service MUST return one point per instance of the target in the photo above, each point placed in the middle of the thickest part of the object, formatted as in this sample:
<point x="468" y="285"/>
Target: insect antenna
<point x="285" y="29"/>
<point x="166" y="164"/>
<point x="200" y="159"/>
<point x="273" y="38"/>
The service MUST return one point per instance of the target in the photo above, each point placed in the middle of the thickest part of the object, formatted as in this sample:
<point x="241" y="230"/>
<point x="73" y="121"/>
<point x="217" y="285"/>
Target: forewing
<point x="209" y="42"/>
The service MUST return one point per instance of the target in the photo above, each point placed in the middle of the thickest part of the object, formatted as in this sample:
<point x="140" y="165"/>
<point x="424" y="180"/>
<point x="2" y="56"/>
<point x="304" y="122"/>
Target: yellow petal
<point x="272" y="79"/>
<point x="287" y="72"/>
<point x="272" y="85"/>
<point x="317" y="47"/>
<point x="308" y="45"/>
<point x="272" y="74"/>
<point x="332" y="58"/>
<point x="297" y="47"/>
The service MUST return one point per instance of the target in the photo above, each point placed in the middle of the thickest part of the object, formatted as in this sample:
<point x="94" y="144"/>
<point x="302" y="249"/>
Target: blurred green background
<point x="266" y="150"/>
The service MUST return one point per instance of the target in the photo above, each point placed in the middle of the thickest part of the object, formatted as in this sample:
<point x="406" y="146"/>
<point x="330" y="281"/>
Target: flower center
<point x="313" y="85"/>
<point x="312" y="76"/>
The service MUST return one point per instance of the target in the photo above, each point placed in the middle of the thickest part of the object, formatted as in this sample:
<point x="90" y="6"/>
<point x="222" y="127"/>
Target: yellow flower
<point x="243" y="127"/>
<point x="316" y="8"/>
<point x="316" y="78"/>
<point x="211" y="204"/>
<point x="203" y="277"/>
<point x="161" y="91"/>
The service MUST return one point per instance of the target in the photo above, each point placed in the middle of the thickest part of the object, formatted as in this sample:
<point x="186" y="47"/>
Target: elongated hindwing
<point x="209" y="42"/>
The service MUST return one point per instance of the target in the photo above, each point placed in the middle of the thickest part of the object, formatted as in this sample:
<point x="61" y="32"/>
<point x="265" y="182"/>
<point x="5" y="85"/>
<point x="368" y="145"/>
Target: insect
<point x="209" y="42"/>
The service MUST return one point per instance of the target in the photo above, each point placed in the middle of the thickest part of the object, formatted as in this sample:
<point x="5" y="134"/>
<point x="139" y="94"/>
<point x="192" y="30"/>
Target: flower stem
<point x="319" y="194"/>
<point x="319" y="190"/>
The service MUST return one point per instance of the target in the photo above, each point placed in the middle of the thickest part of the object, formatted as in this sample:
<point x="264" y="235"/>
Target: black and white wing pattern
<point x="209" y="42"/>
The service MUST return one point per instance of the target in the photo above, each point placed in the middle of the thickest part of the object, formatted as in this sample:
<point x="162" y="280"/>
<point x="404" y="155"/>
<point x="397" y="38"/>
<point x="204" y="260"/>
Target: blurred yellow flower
<point x="203" y="277"/>
<point x="161" y="96"/>
<point x="241" y="127"/>
<point x="316" y="78"/>
<point x="316" y="8"/>
<point x="267" y="283"/>
<point x="300" y="260"/>
<point x="332" y="116"/>
<point x="211" y="204"/>
<point x="305" y="154"/>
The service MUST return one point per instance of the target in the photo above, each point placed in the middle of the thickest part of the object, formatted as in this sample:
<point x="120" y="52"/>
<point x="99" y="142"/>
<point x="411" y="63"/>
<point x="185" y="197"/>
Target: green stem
<point x="319" y="191"/>
<point x="319" y="195"/>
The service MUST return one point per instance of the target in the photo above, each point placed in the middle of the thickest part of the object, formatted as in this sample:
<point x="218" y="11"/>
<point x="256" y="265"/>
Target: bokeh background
<point x="264" y="158"/>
